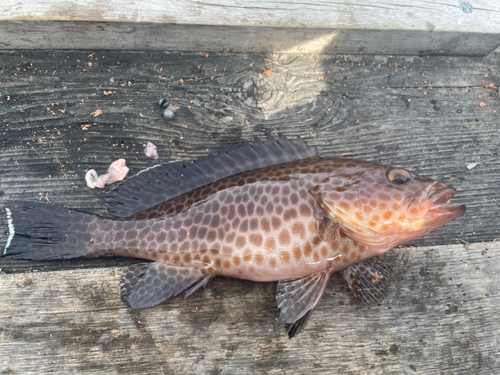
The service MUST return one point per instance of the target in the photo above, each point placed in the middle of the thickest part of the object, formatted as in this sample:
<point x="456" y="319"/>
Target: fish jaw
<point x="440" y="212"/>
<point x="437" y="210"/>
<point x="436" y="213"/>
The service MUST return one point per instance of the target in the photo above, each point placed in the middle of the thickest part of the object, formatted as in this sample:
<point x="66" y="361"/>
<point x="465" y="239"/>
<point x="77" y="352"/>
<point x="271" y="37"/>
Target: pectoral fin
<point x="148" y="284"/>
<point x="329" y="229"/>
<point x="368" y="280"/>
<point x="321" y="194"/>
<point x="326" y="195"/>
<point x="296" y="298"/>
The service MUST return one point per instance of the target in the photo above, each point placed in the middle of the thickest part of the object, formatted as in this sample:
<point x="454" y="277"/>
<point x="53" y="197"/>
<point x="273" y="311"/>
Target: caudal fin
<point x="40" y="231"/>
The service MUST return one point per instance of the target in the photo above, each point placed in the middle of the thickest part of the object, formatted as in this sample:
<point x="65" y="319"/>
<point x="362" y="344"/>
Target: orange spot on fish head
<point x="380" y="206"/>
<point x="344" y="206"/>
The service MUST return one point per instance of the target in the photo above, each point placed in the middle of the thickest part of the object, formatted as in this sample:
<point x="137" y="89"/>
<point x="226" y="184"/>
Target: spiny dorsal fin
<point x="156" y="185"/>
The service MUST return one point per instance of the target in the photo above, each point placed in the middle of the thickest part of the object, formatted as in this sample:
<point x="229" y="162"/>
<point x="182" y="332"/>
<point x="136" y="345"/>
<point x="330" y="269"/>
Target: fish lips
<point x="441" y="212"/>
<point x="438" y="211"/>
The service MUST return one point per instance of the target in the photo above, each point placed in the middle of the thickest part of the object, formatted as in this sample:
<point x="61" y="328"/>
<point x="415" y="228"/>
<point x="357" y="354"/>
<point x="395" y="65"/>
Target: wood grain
<point x="421" y="113"/>
<point x="346" y="26"/>
<point x="440" y="317"/>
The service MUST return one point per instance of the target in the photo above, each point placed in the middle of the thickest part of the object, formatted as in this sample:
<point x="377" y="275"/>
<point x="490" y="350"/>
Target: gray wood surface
<point x="421" y="113"/>
<point x="346" y="26"/>
<point x="441" y="317"/>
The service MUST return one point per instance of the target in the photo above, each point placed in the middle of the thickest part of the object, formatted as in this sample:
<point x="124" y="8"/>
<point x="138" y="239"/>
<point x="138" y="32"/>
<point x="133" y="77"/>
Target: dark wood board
<point x="415" y="112"/>
<point x="421" y="113"/>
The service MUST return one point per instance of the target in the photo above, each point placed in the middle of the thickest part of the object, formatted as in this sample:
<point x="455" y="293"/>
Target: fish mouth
<point x="441" y="208"/>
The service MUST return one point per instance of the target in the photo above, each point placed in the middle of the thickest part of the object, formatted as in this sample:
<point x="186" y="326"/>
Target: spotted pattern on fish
<point x="271" y="211"/>
<point x="261" y="225"/>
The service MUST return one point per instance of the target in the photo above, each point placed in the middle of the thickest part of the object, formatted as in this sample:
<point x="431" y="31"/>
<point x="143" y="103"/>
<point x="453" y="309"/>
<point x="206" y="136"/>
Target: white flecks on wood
<point x="471" y="165"/>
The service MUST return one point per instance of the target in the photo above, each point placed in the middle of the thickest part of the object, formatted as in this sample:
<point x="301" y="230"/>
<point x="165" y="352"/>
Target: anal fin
<point x="296" y="298"/>
<point x="368" y="280"/>
<point x="296" y="327"/>
<point x="148" y="284"/>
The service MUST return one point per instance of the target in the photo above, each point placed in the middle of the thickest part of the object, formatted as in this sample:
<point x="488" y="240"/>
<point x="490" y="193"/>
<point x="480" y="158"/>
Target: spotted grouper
<point x="264" y="211"/>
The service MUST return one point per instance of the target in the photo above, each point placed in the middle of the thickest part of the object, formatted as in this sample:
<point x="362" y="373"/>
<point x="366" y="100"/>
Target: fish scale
<point x="266" y="230"/>
<point x="272" y="211"/>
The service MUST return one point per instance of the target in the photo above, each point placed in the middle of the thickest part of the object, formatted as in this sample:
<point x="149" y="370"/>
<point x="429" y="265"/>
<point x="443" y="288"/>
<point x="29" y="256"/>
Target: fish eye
<point x="398" y="176"/>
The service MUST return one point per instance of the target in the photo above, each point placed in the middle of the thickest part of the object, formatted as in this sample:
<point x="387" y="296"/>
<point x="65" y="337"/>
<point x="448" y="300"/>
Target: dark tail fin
<point x="40" y="231"/>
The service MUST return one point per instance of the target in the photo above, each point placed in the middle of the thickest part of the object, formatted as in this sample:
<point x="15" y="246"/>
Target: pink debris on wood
<point x="116" y="172"/>
<point x="150" y="150"/>
<point x="95" y="181"/>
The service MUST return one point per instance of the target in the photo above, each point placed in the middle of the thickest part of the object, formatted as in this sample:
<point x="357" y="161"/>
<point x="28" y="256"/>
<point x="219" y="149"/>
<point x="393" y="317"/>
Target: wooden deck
<point x="422" y="27"/>
<point x="435" y="115"/>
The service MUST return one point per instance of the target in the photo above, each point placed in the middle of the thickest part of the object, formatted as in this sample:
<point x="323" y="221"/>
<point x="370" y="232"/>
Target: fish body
<point x="296" y="222"/>
<point x="260" y="225"/>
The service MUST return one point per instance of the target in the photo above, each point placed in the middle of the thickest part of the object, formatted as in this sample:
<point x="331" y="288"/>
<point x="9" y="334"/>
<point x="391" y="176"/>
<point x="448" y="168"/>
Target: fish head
<point x="382" y="207"/>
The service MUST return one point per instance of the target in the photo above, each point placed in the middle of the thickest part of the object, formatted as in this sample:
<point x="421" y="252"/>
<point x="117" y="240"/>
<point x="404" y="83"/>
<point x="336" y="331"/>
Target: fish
<point x="272" y="211"/>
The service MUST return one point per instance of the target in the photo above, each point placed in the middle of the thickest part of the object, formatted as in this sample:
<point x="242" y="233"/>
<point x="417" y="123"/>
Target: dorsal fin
<point x="159" y="184"/>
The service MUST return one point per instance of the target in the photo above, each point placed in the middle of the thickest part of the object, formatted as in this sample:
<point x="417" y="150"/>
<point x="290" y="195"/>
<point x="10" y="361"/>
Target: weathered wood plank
<point x="477" y="17"/>
<point x="420" y="113"/>
<point x="440" y="317"/>
<point x="346" y="26"/>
